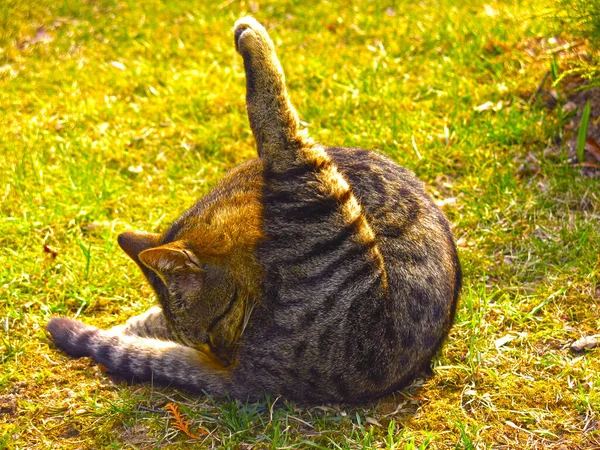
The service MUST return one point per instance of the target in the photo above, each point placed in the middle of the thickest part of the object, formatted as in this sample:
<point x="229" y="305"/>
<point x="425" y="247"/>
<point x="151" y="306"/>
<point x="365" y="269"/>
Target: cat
<point x="323" y="274"/>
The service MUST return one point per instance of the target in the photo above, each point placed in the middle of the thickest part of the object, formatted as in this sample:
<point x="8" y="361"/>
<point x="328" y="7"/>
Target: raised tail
<point x="141" y="359"/>
<point x="273" y="119"/>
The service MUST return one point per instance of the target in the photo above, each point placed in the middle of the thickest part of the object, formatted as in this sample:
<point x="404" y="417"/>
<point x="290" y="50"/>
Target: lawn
<point x="118" y="115"/>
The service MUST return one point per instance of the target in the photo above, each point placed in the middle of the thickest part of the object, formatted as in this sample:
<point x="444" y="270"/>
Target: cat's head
<point x="193" y="277"/>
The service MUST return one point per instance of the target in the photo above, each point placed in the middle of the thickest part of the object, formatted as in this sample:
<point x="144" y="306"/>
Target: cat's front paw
<point x="71" y="336"/>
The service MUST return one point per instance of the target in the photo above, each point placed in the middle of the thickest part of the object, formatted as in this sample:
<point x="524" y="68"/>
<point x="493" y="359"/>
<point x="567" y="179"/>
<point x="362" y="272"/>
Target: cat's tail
<point x="140" y="359"/>
<point x="273" y="119"/>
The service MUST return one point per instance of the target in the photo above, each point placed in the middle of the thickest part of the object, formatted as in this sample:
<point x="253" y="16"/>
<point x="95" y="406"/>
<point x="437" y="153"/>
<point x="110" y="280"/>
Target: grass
<point x="119" y="115"/>
<point x="580" y="18"/>
<point x="582" y="133"/>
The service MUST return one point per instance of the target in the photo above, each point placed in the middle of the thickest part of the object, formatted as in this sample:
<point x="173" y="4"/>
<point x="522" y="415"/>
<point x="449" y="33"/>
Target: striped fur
<point x="319" y="273"/>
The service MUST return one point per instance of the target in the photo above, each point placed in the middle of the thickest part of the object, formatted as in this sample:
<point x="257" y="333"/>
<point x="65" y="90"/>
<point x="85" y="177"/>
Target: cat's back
<point x="360" y="278"/>
<point x="412" y="233"/>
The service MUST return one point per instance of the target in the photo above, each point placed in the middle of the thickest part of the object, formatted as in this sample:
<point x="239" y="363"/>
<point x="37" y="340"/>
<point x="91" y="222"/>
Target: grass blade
<point x="583" y="127"/>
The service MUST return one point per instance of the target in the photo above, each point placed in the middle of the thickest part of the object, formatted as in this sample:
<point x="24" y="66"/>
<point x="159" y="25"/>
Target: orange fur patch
<point x="335" y="185"/>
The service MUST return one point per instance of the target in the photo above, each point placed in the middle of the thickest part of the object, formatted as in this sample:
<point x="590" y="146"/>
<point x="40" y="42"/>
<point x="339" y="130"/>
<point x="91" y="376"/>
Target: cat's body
<point x="322" y="274"/>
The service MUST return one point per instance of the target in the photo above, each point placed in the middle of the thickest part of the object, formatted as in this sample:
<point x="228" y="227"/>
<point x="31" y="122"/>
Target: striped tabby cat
<point x="324" y="274"/>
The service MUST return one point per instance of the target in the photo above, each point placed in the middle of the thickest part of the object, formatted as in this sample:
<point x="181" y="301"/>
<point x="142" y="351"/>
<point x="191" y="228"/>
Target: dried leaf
<point x="591" y="141"/>
<point x="569" y="107"/>
<point x="181" y="423"/>
<point x="593" y="148"/>
<point x="528" y="169"/>
<point x="590" y="164"/>
<point x="93" y="226"/>
<point x="504" y="340"/>
<point x="41" y="36"/>
<point x="489" y="11"/>
<point x="102" y="128"/>
<point x="484" y="107"/>
<point x="8" y="404"/>
<point x="489" y="105"/>
<point x="117" y="65"/>
<point x="399" y="408"/>
<point x="585" y="342"/>
<point x="48" y="249"/>
<point x="373" y="421"/>
<point x="446" y="201"/>
<point x="552" y="153"/>
<point x="136" y="169"/>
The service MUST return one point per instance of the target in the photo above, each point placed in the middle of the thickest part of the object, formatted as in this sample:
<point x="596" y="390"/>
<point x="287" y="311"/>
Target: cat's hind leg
<point x="273" y="119"/>
<point x="141" y="359"/>
<point x="151" y="324"/>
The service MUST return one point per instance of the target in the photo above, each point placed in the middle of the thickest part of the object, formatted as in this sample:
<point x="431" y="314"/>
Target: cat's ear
<point x="135" y="242"/>
<point x="169" y="258"/>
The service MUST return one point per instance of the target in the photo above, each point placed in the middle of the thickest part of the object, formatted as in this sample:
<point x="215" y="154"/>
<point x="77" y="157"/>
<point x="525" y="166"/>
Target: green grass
<point x="123" y="113"/>
<point x="580" y="18"/>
